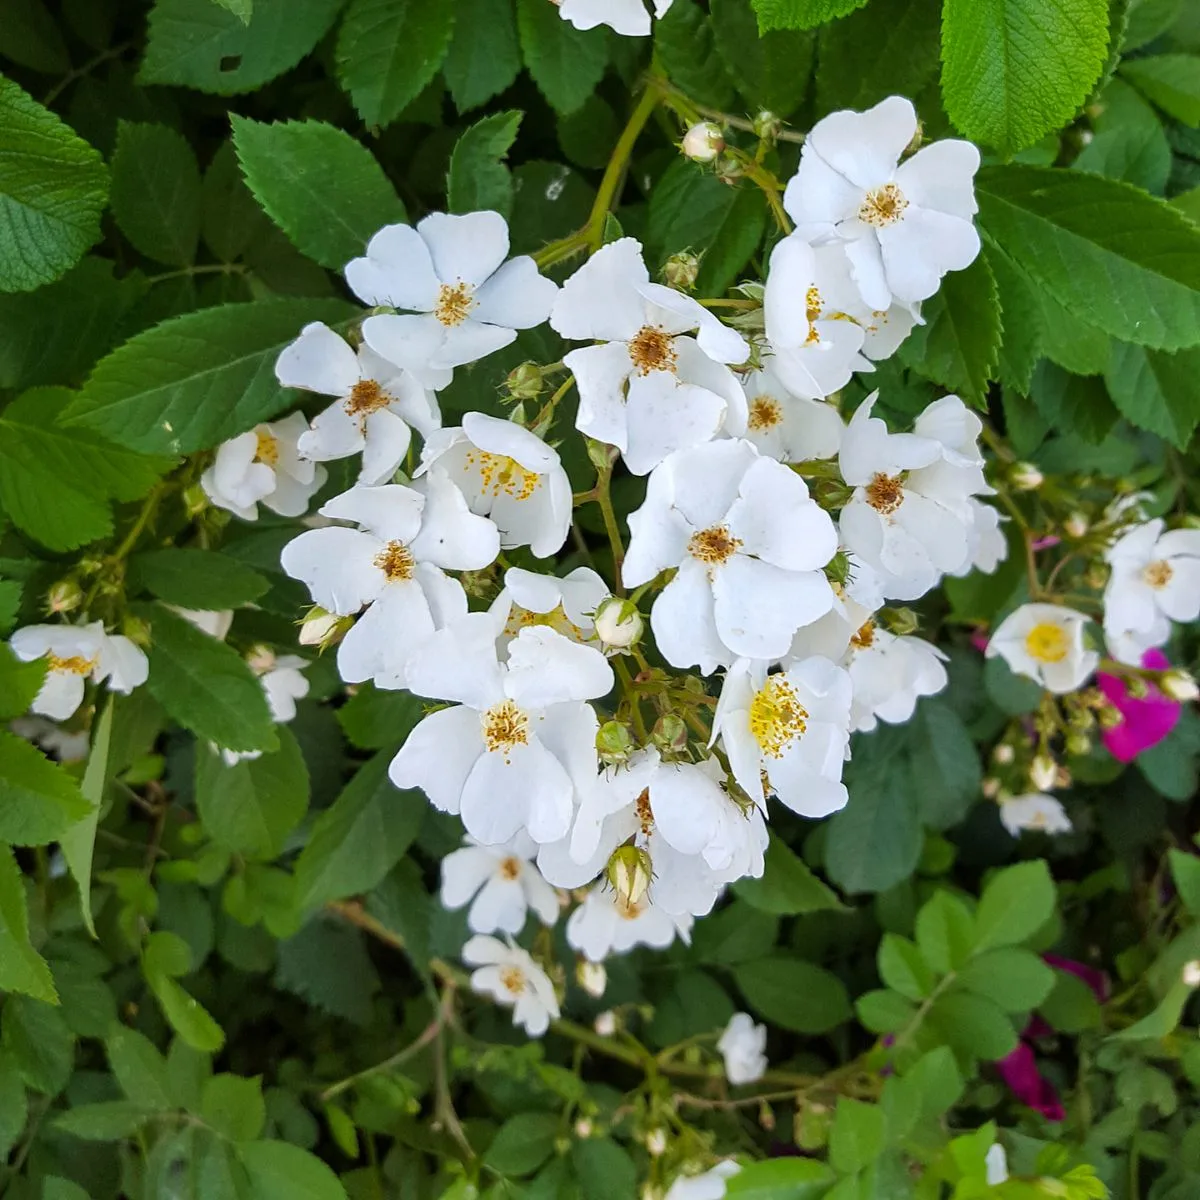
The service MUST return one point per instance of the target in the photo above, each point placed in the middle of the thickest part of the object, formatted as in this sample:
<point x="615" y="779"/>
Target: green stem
<point x="611" y="527"/>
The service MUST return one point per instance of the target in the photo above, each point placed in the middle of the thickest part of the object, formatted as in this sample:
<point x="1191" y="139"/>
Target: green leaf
<point x="234" y="1107"/>
<point x="780" y="1179"/>
<point x="20" y="682"/>
<point x="375" y="719"/>
<point x="140" y="1069"/>
<point x="79" y="842"/>
<point x="205" y="685"/>
<point x="793" y="994"/>
<point x="281" y="1171"/>
<point x="360" y="837"/>
<point x="1156" y="391"/>
<point x="603" y="1169"/>
<point x="566" y="63"/>
<point x="53" y="187"/>
<point x="1129" y="141"/>
<point x="36" y="1038"/>
<point x="1071" y="1006"/>
<point x="323" y="188"/>
<point x="242" y="9"/>
<point x="478" y="178"/>
<point x="943" y="764"/>
<point x="107" y="1121"/>
<point x="959" y="343"/>
<point x="41" y="800"/>
<point x="197" y="579"/>
<point x="686" y="45"/>
<point x="1013" y="70"/>
<point x="884" y="1011"/>
<point x="251" y="807"/>
<point x="1080" y="403"/>
<point x="787" y="886"/>
<point x="1107" y="252"/>
<point x="10" y="604"/>
<point x="857" y="1136"/>
<point x="1172" y="81"/>
<point x="1017" y="980"/>
<point x="187" y="1016"/>
<point x="801" y="14"/>
<point x="30" y="36"/>
<point x="485" y="52"/>
<point x="936" y="1080"/>
<point x="231" y="217"/>
<point x="14" y="1105"/>
<point x="902" y="967"/>
<point x="1016" y="902"/>
<point x="522" y="1143"/>
<point x="734" y="934"/>
<point x="1011" y="693"/>
<point x="195" y="43"/>
<point x="56" y="1188"/>
<point x="388" y="50"/>
<point x="156" y="192"/>
<point x="972" y="1025"/>
<point x="1185" y="870"/>
<point x="199" y="379"/>
<point x="945" y="932"/>
<point x="1162" y="1021"/>
<point x="328" y="965"/>
<point x="771" y="70"/>
<point x="22" y="968"/>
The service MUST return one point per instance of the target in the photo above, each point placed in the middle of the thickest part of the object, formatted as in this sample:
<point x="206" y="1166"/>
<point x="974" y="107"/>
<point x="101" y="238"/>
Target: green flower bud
<point x="525" y="382"/>
<point x="670" y="733"/>
<point x="629" y="871"/>
<point x="681" y="270"/>
<point x="614" y="742"/>
<point x="64" y="596"/>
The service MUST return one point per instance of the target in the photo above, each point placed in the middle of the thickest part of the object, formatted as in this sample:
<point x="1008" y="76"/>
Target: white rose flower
<point x="1130" y="645"/>
<point x="563" y="604"/>
<point x="497" y="755"/>
<point x="378" y="404"/>
<point x="393" y="564"/>
<point x="215" y="623"/>
<point x="857" y="600"/>
<point x="1034" y="811"/>
<point x="1155" y="580"/>
<point x="506" y="473"/>
<point x="60" y="743"/>
<point x="504" y="883"/>
<point x="649" y="390"/>
<point x="890" y="674"/>
<point x="743" y="1045"/>
<point x="75" y="653"/>
<point x="628" y="17"/>
<point x="263" y="466"/>
<point x="784" y="425"/>
<point x="709" y="1186"/>
<point x="283" y="683"/>
<point x="463" y="300"/>
<point x="606" y="924"/>
<point x="792" y="726"/>
<point x="987" y="547"/>
<point x="749" y="543"/>
<point x="905" y="224"/>
<point x="510" y="976"/>
<point x="1045" y="643"/>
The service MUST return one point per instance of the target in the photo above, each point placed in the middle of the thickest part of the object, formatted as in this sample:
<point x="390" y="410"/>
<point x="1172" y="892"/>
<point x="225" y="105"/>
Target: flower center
<point x="777" y="717"/>
<point x="1158" y="574"/>
<point x="505" y="725"/>
<point x="652" y="349"/>
<point x="395" y="560"/>
<point x="883" y="206"/>
<point x="522" y="618"/>
<point x="765" y="413"/>
<point x="365" y="398"/>
<point x="1047" y="643"/>
<point x="512" y="979"/>
<point x="713" y="546"/>
<point x="627" y="910"/>
<point x="885" y="493"/>
<point x="266" y="449"/>
<point x="454" y="303"/>
<point x="645" y="815"/>
<point x="75" y="665"/>
<point x="499" y="473"/>
<point x="510" y="868"/>
<point x="813" y="306"/>
<point x="864" y="639"/>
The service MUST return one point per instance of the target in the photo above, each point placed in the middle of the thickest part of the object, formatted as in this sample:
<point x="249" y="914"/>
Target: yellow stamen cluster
<point x="882" y="207"/>
<point x="777" y="718"/>
<point x="499" y="473"/>
<point x="713" y="546"/>
<point x="365" y="398"/>
<point x="505" y="726"/>
<point x="1158" y="574"/>
<point x="864" y="638"/>
<point x="512" y="979"/>
<point x="75" y="665"/>
<point x="396" y="561"/>
<point x="454" y="303"/>
<point x="266" y="448"/>
<point x="510" y="868"/>
<point x="765" y="413"/>
<point x="1047" y="643"/>
<point x="652" y="349"/>
<point x="885" y="493"/>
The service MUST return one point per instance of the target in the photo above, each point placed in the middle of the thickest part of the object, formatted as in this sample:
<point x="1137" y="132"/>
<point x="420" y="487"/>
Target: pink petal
<point x="1019" y="1071"/>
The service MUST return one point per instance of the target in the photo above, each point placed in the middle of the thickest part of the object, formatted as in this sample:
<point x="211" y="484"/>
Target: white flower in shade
<point x="628" y="17"/>
<point x="1045" y="642"/>
<point x="786" y="426"/>
<point x="650" y="389"/>
<point x="74" y="654"/>
<point x="462" y="300"/>
<point x="792" y="726"/>
<point x="743" y="1045"/>
<point x="890" y="674"/>
<point x="996" y="1165"/>
<point x="506" y="473"/>
<point x="394" y="563"/>
<point x="504" y="883"/>
<point x="857" y="600"/>
<point x="563" y="604"/>
<point x="377" y="404"/>
<point x="909" y="518"/>
<point x="606" y="923"/>
<point x="815" y="352"/>
<point x="987" y="547"/>
<point x="1035" y="811"/>
<point x="510" y="976"/>
<point x="905" y="224"/>
<point x="497" y="756"/>
<point x="1155" y="580"/>
<point x="709" y="1186"/>
<point x="283" y="681"/>
<point x="1130" y="645"/>
<point x="263" y="466"/>
<point x="62" y="744"/>
<point x="215" y="623"/>
<point x="750" y="545"/>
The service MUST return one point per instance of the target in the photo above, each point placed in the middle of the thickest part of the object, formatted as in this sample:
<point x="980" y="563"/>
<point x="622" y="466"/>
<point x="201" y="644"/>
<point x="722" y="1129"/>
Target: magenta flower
<point x="1144" y="722"/>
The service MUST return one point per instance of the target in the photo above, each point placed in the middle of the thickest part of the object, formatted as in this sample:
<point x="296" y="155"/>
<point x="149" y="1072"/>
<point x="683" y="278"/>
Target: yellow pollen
<point x="652" y="350"/>
<point x="765" y="413"/>
<point x="266" y="449"/>
<point x="777" y="717"/>
<point x="513" y="980"/>
<point x="510" y="868"/>
<point x="499" y="473"/>
<point x="885" y="493"/>
<point x="365" y="398"/>
<point x="505" y="725"/>
<point x="864" y="639"/>
<point x="75" y="665"/>
<point x="454" y="303"/>
<point x="1158" y="574"/>
<point x="813" y="303"/>
<point x="883" y="206"/>
<point x="1047" y="643"/>
<point x="644" y="814"/>
<point x="713" y="546"/>
<point x="395" y="560"/>
<point x="522" y="618"/>
<point x="627" y="911"/>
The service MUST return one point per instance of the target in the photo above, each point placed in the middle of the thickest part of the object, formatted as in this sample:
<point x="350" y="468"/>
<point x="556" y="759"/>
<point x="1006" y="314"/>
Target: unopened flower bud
<point x="525" y="382"/>
<point x="136" y="630"/>
<point x="767" y="126"/>
<point x="837" y="569"/>
<point x="703" y="142"/>
<point x="1078" y="744"/>
<point x="64" y="596"/>
<point x="1109" y="717"/>
<point x="670" y="733"/>
<point x="656" y="1141"/>
<point x="629" y="872"/>
<point x="261" y="659"/>
<point x="1191" y="973"/>
<point x="592" y="977"/>
<point x="990" y="787"/>
<point x="1179" y="685"/>
<point x="583" y="1128"/>
<point x="323" y="629"/>
<point x="601" y="454"/>
<point x="195" y="501"/>
<point x="605" y="1024"/>
<point x="614" y="743"/>
<point x="902" y="621"/>
<point x="681" y="269"/>
<point x="1076" y="525"/>
<point x="1003" y="754"/>
<point x="1024" y="476"/>
<point x="619" y="625"/>
<point x="729" y="167"/>
<point x="1137" y="687"/>
<point x="1042" y="772"/>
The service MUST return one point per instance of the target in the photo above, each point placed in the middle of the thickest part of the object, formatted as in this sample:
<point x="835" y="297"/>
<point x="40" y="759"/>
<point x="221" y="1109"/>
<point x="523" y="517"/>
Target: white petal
<point x="498" y="436"/>
<point x="627" y="17"/>
<point x="438" y="756"/>
<point x="941" y="176"/>
<point x="387" y="442"/>
<point x="319" y="360"/>
<point x="380" y="642"/>
<point x="391" y="511"/>
<point x="704" y="482"/>
<point x="817" y="197"/>
<point x="60" y="695"/>
<point x="715" y="339"/>
<point x="516" y="296"/>
<point x="122" y="663"/>
<point x="469" y="247"/>
<point x="471" y="341"/>
<point x="546" y="668"/>
<point x="397" y="270"/>
<point x="451" y="536"/>
<point x="337" y="565"/>
<point x="758" y="607"/>
<point x="600" y="374"/>
<point x="865" y="147"/>
<point x="601" y="300"/>
<point x="522" y="788"/>
<point x="499" y="905"/>
<point x="334" y="434"/>
<point x="776" y="520"/>
<point x="921" y="247"/>
<point x="785" y="305"/>
<point x="683" y="622"/>
<point x="464" y="872"/>
<point x="410" y="341"/>
<point x="663" y="416"/>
